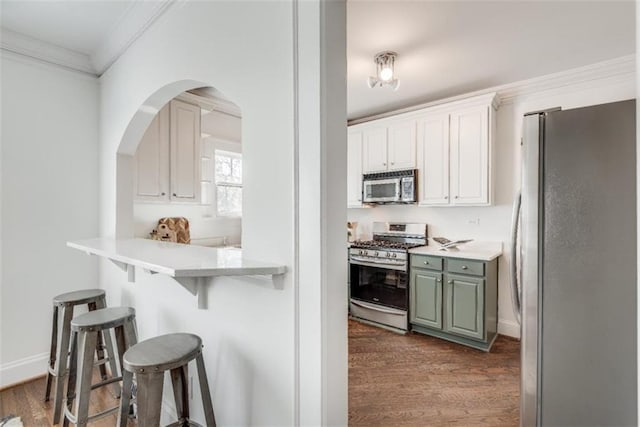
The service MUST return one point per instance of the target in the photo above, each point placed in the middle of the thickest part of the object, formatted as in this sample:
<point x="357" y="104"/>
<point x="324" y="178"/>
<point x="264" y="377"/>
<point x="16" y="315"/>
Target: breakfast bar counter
<point x="191" y="266"/>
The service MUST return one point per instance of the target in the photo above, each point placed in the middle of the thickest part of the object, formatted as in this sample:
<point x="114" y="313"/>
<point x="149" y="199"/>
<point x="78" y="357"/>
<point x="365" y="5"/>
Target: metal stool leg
<point x="71" y="387"/>
<point x="206" y="394"/>
<point x="52" y="353"/>
<point x="101" y="303"/>
<point x="62" y="361"/>
<point x="85" y="369"/>
<point x="149" y="398"/>
<point x="180" y="382"/>
<point x="125" y="398"/>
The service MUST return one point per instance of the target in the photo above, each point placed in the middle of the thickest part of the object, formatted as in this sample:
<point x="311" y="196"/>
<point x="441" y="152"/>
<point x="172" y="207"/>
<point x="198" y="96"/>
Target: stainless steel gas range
<point x="379" y="273"/>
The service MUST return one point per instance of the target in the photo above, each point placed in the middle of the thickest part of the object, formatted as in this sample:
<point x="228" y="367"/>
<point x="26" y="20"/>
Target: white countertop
<point x="481" y="251"/>
<point x="177" y="260"/>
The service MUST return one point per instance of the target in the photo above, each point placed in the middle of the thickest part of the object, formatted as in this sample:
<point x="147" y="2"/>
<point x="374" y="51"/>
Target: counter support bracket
<point x="197" y="286"/>
<point x="130" y="269"/>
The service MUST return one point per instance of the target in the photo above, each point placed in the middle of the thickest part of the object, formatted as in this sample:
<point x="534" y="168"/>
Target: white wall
<point x="250" y="332"/>
<point x="49" y="195"/>
<point x="590" y="85"/>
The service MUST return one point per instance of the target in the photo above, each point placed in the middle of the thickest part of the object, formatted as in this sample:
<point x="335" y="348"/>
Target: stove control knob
<point x="395" y="255"/>
<point x="388" y="254"/>
<point x="376" y="253"/>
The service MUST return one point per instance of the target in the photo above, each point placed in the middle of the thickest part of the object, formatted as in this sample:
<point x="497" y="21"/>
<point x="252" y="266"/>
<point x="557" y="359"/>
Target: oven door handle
<point x="358" y="261"/>
<point x="378" y="308"/>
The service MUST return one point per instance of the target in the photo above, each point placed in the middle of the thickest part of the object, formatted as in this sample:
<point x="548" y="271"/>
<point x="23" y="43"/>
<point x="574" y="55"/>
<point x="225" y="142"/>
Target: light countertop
<point x="481" y="251"/>
<point x="177" y="260"/>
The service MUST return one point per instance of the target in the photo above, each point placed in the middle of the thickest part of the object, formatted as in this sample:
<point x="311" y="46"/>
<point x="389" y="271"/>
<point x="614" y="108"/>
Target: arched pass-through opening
<point x="154" y="158"/>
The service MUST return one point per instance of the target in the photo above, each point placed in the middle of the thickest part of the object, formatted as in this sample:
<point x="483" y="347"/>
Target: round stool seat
<point x="162" y="353"/>
<point x="79" y="297"/>
<point x="104" y="318"/>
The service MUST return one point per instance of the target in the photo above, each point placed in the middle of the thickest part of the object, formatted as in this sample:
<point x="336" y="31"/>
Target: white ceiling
<point x="445" y="48"/>
<point x="76" y="25"/>
<point x="448" y="48"/>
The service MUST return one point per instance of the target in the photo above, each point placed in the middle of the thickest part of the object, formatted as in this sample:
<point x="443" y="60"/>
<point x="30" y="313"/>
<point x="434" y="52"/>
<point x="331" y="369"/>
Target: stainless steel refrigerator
<point x="578" y="267"/>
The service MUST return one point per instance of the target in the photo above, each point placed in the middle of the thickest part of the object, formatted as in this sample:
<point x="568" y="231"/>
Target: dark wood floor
<point x="394" y="380"/>
<point x="417" y="380"/>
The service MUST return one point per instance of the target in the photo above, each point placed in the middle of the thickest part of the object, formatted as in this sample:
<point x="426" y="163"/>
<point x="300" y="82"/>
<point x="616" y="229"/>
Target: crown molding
<point x="211" y="104"/>
<point x="37" y="49"/>
<point x="622" y="68"/>
<point x="131" y="25"/>
<point x="618" y="69"/>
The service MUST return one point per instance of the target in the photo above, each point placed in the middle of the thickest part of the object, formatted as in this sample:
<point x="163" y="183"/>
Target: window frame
<point x="228" y="184"/>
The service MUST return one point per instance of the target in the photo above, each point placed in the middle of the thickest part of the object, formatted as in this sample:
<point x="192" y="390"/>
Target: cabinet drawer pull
<point x="464" y="267"/>
<point x="426" y="263"/>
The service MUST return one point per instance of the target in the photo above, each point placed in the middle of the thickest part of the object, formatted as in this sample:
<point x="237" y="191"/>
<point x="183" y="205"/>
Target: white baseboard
<point x="23" y="369"/>
<point x="509" y="328"/>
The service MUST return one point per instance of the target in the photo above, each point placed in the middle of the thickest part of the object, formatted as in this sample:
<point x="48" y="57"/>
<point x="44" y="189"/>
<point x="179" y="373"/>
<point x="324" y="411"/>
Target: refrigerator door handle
<point x="513" y="268"/>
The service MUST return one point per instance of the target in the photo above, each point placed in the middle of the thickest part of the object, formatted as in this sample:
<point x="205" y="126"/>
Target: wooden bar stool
<point x="86" y="329"/>
<point x="63" y="306"/>
<point x="149" y="360"/>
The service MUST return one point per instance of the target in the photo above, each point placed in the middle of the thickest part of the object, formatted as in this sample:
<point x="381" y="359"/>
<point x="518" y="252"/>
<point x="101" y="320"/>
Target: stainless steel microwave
<point x="390" y="187"/>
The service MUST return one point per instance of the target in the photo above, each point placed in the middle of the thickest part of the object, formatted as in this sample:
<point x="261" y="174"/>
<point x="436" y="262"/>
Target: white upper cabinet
<point x="470" y="156"/>
<point x="402" y="145"/>
<point x="389" y="146"/>
<point x="433" y="159"/>
<point x="354" y="170"/>
<point x="151" y="163"/>
<point x="374" y="149"/>
<point x="185" y="151"/>
<point x="450" y="144"/>
<point x="167" y="162"/>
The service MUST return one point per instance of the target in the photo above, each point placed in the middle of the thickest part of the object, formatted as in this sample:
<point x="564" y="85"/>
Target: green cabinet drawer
<point x="463" y="266"/>
<point x="427" y="261"/>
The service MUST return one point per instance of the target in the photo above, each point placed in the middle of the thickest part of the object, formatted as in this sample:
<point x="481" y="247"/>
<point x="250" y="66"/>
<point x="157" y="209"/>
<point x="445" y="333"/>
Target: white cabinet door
<point x="470" y="156"/>
<point x="151" y="161"/>
<point x="354" y="170"/>
<point x="402" y="145"/>
<point x="374" y="150"/>
<point x="185" y="152"/>
<point x="433" y="159"/>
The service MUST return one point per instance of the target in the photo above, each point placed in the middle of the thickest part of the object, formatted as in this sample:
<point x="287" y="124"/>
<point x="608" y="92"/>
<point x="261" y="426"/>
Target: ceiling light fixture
<point x="384" y="71"/>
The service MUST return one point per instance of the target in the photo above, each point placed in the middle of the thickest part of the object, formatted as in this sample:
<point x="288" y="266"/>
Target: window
<point x="228" y="183"/>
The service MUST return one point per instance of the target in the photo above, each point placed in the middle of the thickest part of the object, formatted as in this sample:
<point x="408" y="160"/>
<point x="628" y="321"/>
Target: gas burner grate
<point x="383" y="244"/>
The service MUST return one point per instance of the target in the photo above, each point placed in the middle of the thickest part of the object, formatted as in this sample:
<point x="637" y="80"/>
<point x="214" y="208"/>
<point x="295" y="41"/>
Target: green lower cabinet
<point x="455" y="299"/>
<point x="464" y="301"/>
<point x="426" y="298"/>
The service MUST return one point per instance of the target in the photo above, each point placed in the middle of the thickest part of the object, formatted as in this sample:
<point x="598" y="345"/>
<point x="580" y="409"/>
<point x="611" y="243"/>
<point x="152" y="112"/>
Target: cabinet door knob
<point x="175" y="195"/>
<point x="464" y="267"/>
<point x="456" y="197"/>
<point x="450" y="282"/>
<point x="446" y="197"/>
<point x="392" y="163"/>
<point x="163" y="193"/>
<point x="438" y="280"/>
<point x="384" y="164"/>
<point x="426" y="263"/>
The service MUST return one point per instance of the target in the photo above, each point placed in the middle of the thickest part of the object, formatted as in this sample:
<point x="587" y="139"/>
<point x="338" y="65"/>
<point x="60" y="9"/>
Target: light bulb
<point x="386" y="74"/>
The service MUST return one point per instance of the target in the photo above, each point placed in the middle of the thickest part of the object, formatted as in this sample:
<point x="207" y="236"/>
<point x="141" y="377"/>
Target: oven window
<point x="378" y="190"/>
<point x="379" y="286"/>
